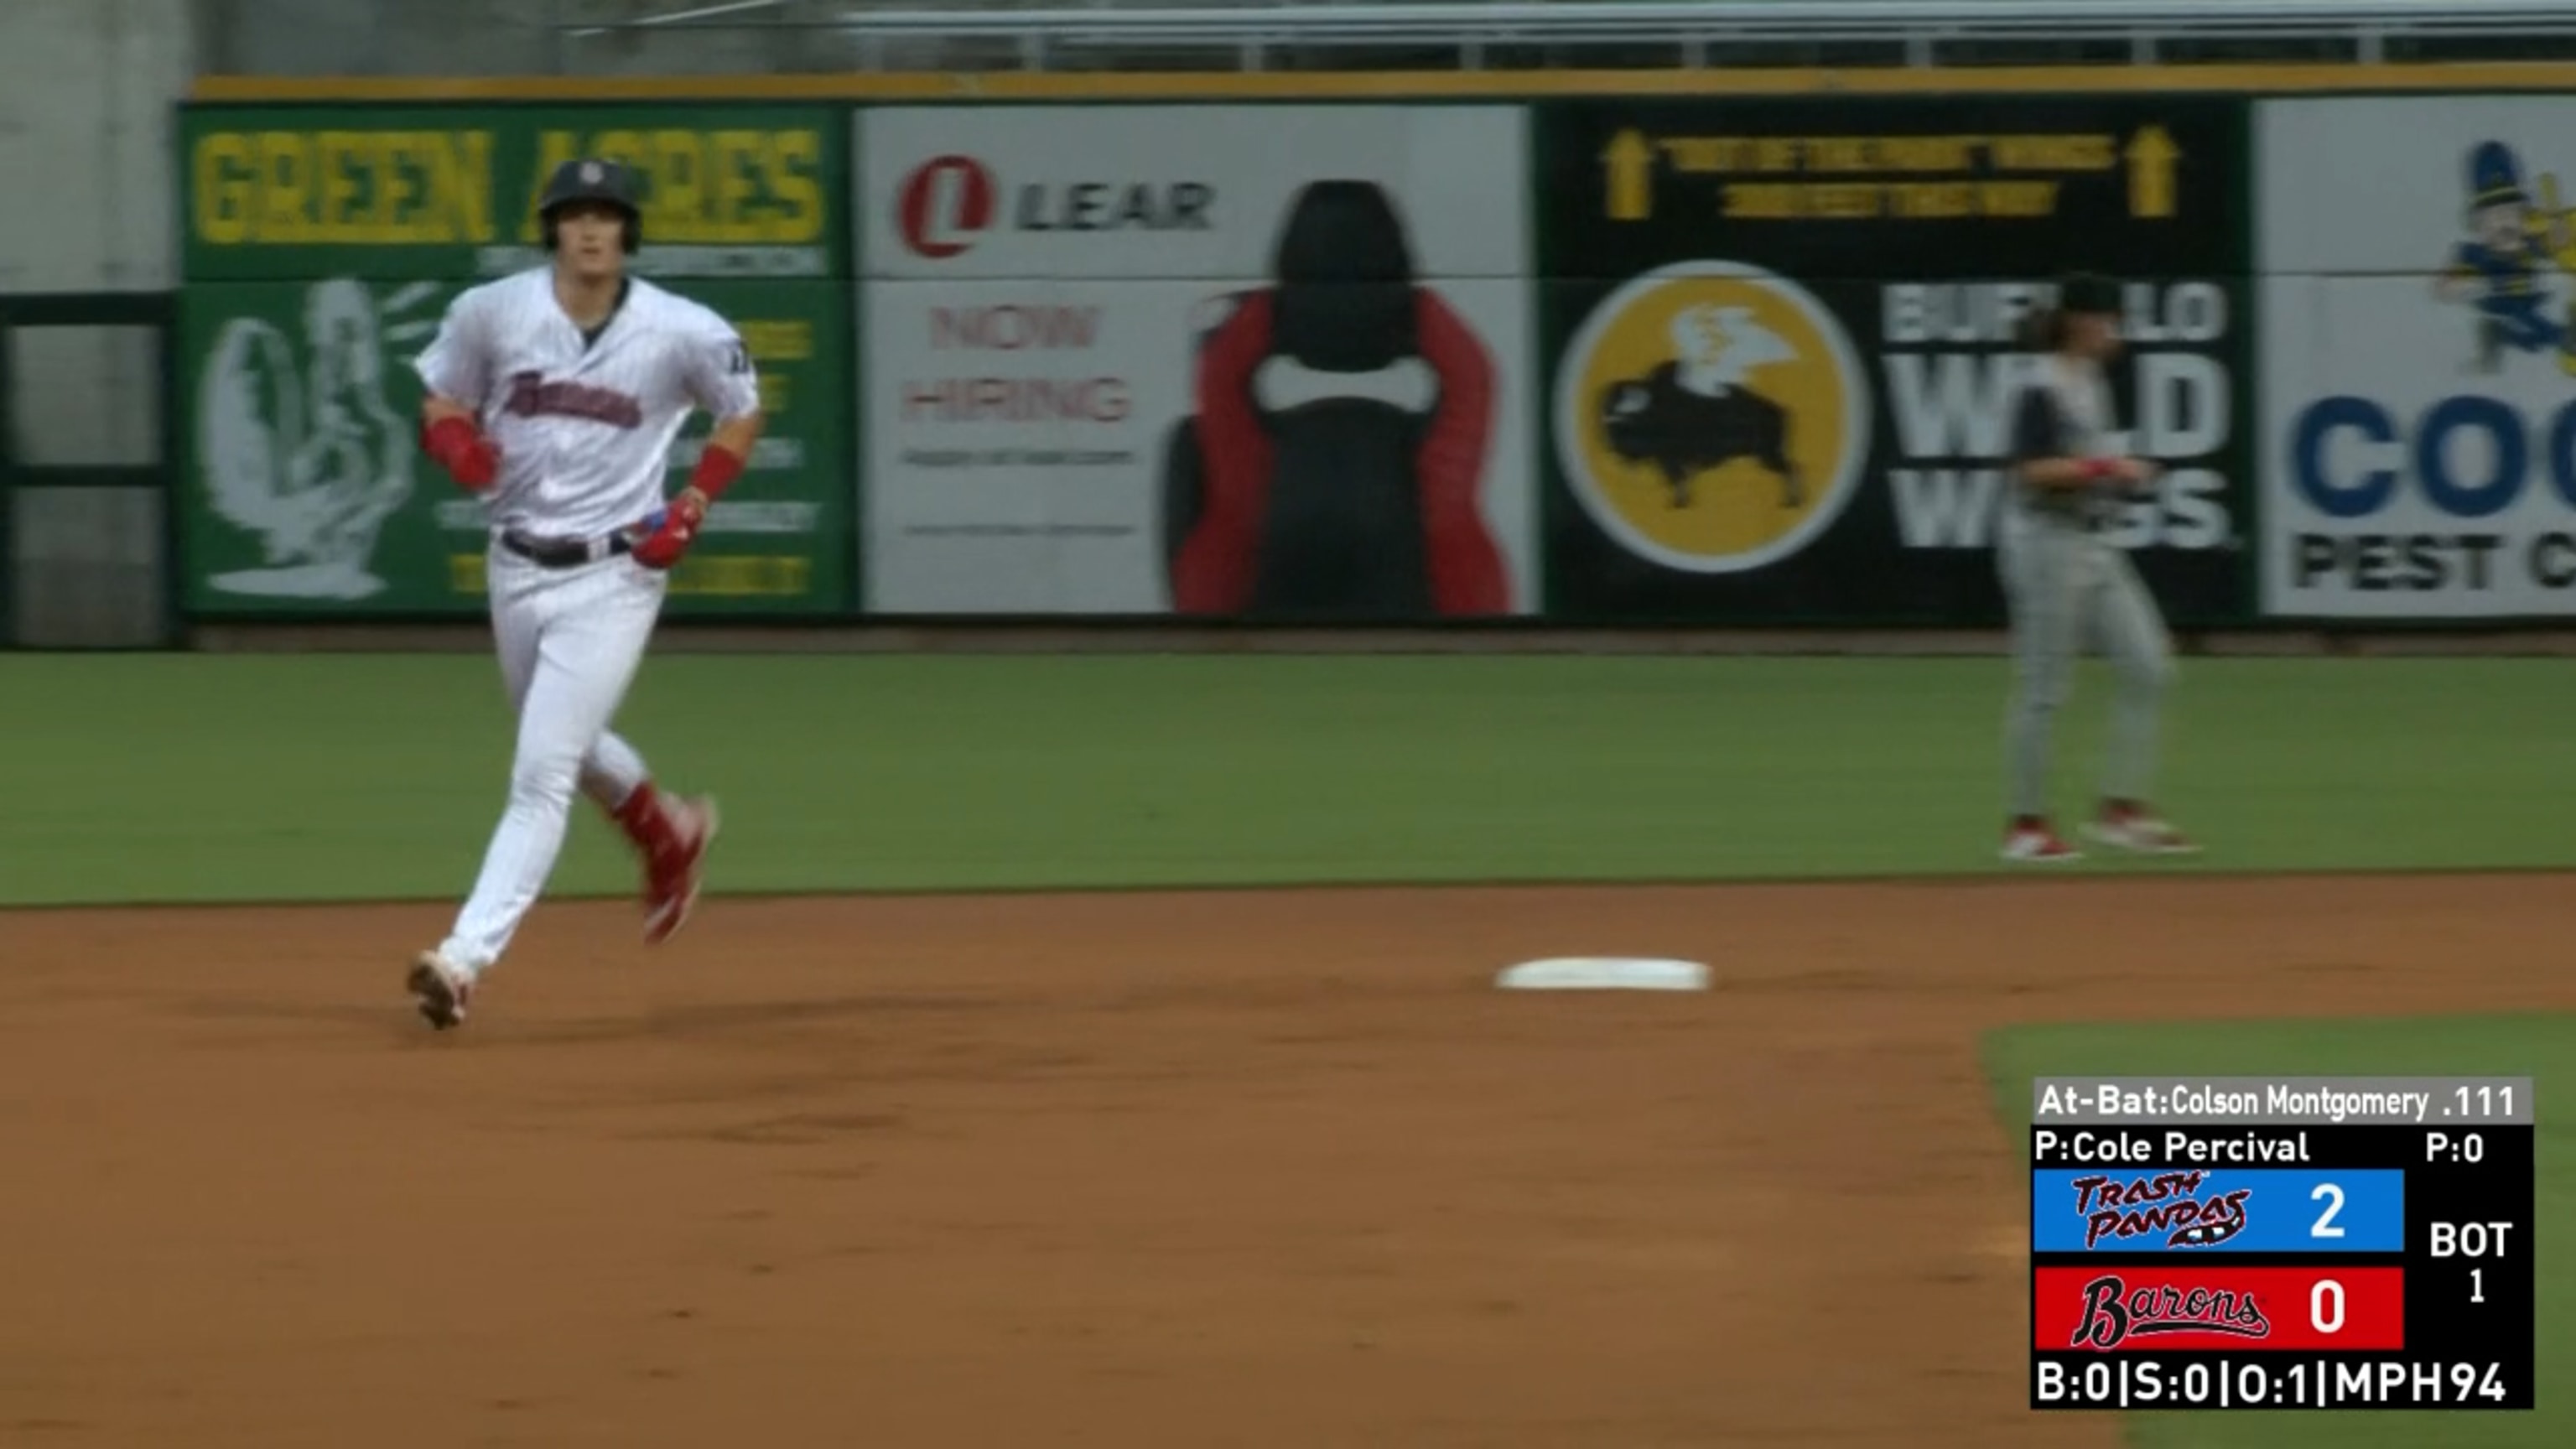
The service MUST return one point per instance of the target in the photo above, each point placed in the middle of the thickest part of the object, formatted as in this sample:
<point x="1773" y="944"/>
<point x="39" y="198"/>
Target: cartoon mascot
<point x="2496" y="268"/>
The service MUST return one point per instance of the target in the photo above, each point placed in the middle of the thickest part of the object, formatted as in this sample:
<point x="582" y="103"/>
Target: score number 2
<point x="2333" y="1198"/>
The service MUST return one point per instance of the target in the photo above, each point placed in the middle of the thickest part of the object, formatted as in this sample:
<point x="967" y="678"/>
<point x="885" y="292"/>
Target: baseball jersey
<point x="584" y="426"/>
<point x="2066" y="413"/>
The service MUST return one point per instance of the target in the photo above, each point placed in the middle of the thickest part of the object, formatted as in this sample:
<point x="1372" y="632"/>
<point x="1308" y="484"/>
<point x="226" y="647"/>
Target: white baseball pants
<point x="570" y="640"/>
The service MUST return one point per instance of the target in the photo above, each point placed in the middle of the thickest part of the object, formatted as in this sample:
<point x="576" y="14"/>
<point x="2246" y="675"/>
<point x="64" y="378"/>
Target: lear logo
<point x="944" y="205"/>
<point x="1712" y="417"/>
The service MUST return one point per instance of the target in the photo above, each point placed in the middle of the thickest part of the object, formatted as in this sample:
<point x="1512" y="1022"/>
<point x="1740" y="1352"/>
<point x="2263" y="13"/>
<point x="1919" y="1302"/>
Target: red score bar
<point x="2153" y="1309"/>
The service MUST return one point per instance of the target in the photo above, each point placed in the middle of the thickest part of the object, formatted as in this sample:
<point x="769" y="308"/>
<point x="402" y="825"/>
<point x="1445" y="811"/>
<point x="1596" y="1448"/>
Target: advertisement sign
<point x="305" y="492"/>
<point x="322" y="246"/>
<point x="292" y="192"/>
<point x="1784" y="346"/>
<point x="2419" y="357"/>
<point x="1261" y="362"/>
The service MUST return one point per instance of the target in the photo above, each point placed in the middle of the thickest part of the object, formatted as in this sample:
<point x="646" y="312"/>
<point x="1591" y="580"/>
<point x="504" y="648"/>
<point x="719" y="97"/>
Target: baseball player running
<point x="2064" y="581"/>
<point x="555" y="394"/>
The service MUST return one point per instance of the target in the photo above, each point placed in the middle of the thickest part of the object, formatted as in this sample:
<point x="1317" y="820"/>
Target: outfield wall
<point x="1552" y="351"/>
<point x="84" y="143"/>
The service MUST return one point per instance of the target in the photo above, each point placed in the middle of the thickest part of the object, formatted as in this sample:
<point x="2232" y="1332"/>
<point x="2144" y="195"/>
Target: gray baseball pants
<point x="2069" y="589"/>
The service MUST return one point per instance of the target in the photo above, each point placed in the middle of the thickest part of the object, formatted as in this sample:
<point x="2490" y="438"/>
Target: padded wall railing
<point x="1449" y="34"/>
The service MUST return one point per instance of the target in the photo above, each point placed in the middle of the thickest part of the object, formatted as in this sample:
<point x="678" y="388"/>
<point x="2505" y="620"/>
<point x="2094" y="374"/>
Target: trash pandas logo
<point x="2114" y="1313"/>
<point x="2168" y="1203"/>
<point x="1712" y="417"/>
<point x="300" y="447"/>
<point x="2496" y="268"/>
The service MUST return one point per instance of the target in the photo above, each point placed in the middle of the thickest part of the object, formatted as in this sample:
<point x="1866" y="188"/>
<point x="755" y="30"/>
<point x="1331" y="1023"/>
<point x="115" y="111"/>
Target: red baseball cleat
<point x="2034" y="842"/>
<point x="672" y="873"/>
<point x="2136" y="828"/>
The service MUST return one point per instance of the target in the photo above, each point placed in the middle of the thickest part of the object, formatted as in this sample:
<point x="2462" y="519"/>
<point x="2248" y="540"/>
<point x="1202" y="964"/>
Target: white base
<point x="1604" y="973"/>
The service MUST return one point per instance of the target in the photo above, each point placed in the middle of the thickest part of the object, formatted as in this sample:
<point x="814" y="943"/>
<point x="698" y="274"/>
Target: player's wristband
<point x="717" y="469"/>
<point x="2099" y="467"/>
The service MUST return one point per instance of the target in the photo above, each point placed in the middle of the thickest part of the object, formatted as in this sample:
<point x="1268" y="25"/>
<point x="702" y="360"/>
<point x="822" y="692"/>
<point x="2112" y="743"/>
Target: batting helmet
<point x="2077" y="292"/>
<point x="592" y="178"/>
<point x="2088" y="292"/>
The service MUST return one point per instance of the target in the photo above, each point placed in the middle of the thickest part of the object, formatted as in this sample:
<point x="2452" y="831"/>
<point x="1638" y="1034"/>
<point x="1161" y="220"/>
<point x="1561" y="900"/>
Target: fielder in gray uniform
<point x="2069" y="585"/>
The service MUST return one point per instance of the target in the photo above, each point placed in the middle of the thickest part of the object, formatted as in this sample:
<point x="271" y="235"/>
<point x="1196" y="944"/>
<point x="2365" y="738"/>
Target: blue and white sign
<point x="2417" y="267"/>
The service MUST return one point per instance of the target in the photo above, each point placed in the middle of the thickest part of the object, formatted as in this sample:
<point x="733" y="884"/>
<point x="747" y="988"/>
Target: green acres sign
<point x="284" y="191"/>
<point x="324" y="242"/>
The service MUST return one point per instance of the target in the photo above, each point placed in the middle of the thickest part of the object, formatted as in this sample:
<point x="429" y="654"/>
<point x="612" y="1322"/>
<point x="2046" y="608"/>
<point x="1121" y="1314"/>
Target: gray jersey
<point x="2066" y="413"/>
<point x="2070" y="586"/>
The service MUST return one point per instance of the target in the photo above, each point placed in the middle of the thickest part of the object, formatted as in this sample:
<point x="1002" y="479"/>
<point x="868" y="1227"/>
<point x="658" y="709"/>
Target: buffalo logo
<point x="1698" y="411"/>
<point x="2168" y="1203"/>
<point x="2114" y="1313"/>
<point x="1712" y="417"/>
<point x="944" y="205"/>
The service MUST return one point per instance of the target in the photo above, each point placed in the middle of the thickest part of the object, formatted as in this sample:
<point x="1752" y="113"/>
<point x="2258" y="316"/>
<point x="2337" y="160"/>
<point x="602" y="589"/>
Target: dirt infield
<point x="1195" y="1170"/>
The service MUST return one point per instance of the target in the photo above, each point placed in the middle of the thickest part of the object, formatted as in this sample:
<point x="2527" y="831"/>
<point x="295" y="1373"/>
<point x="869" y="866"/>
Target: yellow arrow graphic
<point x="2151" y="156"/>
<point x="1628" y="162"/>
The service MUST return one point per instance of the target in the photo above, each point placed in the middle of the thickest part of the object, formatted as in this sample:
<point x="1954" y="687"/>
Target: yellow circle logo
<point x="1712" y="416"/>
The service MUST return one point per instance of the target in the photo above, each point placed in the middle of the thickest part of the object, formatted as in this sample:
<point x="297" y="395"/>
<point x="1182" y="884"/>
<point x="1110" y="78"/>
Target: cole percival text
<point x="2129" y="1145"/>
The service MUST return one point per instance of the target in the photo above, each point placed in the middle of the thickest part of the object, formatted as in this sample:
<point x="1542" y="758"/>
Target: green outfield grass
<point x="331" y="777"/>
<point x="203" y="778"/>
<point x="2425" y="1046"/>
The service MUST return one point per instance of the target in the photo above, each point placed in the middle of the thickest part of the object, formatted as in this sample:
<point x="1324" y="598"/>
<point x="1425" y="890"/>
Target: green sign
<point x="451" y="191"/>
<point x="304" y="491"/>
<point x="321" y="244"/>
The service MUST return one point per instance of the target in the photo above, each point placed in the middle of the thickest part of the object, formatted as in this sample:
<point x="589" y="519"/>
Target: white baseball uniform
<point x="584" y="428"/>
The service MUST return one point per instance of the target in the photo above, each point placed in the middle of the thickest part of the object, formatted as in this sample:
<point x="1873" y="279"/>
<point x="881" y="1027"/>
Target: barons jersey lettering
<point x="531" y="396"/>
<point x="584" y="429"/>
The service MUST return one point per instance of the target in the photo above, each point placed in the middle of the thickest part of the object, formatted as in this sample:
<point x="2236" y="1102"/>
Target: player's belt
<point x="564" y="553"/>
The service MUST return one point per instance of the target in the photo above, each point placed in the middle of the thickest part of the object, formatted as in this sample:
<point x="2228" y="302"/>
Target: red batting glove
<point x="467" y="455"/>
<point x="664" y="545"/>
<point x="716" y="471"/>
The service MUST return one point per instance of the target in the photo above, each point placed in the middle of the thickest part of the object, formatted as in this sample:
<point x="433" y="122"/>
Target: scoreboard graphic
<point x="2281" y="1243"/>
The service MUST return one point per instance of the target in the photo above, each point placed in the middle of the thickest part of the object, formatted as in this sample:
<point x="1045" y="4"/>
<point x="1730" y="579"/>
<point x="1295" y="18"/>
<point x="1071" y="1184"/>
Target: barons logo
<point x="2167" y="1201"/>
<point x="1712" y="416"/>
<point x="531" y="396"/>
<point x="2115" y="1313"/>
